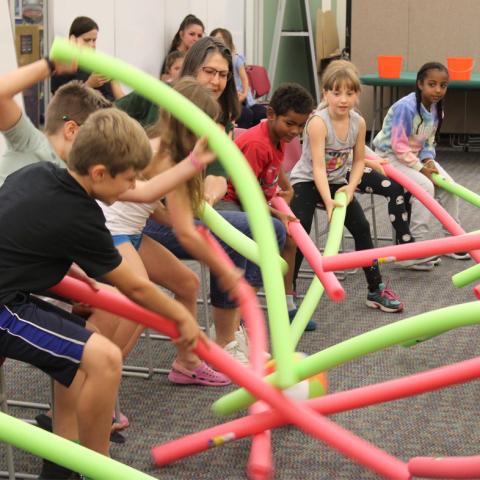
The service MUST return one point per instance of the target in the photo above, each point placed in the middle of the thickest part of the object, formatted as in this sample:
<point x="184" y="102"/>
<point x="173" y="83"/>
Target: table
<point x="408" y="79"/>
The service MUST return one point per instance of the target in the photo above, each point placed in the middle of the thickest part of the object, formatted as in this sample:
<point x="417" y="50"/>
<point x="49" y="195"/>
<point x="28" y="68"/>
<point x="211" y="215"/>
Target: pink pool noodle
<point x="435" y="208"/>
<point x="330" y="282"/>
<point x="406" y="251"/>
<point x="445" y="467"/>
<point x="260" y="462"/>
<point x="362" y="397"/>
<point x="304" y="418"/>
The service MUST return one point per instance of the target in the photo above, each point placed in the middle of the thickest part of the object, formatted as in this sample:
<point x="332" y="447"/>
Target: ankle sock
<point x="290" y="302"/>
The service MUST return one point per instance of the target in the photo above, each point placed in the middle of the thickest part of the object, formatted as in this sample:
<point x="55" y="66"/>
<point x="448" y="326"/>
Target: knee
<point x="191" y="285"/>
<point x="104" y="358"/>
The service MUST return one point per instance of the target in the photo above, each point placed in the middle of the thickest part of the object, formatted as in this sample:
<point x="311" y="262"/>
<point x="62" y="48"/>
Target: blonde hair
<point x="111" y="138"/>
<point x="340" y="73"/>
<point x="73" y="101"/>
<point x="177" y="141"/>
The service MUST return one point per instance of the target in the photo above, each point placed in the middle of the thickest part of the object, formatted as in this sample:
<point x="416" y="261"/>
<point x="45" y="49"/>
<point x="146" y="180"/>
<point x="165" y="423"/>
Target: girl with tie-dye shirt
<point x="407" y="141"/>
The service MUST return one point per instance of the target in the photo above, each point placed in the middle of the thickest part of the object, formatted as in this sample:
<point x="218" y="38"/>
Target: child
<point x="264" y="148"/>
<point x="48" y="220"/>
<point x="148" y="258"/>
<point x="333" y="132"/>
<point x="407" y="139"/>
<point x="252" y="112"/>
<point x="173" y="65"/>
<point x="144" y="110"/>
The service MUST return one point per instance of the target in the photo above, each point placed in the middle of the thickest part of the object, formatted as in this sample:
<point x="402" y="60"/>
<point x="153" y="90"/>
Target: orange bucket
<point x="389" y="66"/>
<point x="460" y="68"/>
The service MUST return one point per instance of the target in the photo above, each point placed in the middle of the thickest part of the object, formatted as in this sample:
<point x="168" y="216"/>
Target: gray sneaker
<point x="419" y="264"/>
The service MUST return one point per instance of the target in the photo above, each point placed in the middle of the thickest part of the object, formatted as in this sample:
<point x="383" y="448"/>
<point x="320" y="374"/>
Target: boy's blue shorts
<point x="43" y="335"/>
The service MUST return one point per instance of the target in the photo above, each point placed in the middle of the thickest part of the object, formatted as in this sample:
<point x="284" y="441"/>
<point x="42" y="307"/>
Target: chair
<point x="293" y="152"/>
<point x="258" y="79"/>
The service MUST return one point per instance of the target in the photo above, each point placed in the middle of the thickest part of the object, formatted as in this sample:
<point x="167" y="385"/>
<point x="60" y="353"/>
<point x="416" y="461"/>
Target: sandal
<point x="120" y="423"/>
<point x="202" y="375"/>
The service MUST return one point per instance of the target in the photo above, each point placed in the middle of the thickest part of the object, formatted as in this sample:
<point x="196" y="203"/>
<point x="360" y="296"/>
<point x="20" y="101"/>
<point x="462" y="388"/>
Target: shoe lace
<point x="389" y="293"/>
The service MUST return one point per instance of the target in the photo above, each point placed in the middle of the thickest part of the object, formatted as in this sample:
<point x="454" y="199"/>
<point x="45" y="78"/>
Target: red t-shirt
<point x="264" y="158"/>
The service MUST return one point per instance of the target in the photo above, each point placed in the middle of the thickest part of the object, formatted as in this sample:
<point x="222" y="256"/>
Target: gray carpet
<point x="436" y="424"/>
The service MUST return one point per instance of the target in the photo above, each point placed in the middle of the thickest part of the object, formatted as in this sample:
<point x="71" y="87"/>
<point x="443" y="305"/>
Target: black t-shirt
<point x="57" y="81"/>
<point x="48" y="221"/>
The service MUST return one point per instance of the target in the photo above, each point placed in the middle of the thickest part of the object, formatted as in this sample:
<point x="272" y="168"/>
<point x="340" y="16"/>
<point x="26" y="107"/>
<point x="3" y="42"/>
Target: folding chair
<point x="10" y="473"/>
<point x="258" y="79"/>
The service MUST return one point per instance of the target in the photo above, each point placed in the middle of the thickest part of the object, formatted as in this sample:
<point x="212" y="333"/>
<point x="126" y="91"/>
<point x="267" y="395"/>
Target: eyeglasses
<point x="66" y="118"/>
<point x="212" y="72"/>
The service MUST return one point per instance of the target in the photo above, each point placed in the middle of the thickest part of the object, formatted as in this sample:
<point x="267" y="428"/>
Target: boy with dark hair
<point x="264" y="147"/>
<point x="49" y="220"/>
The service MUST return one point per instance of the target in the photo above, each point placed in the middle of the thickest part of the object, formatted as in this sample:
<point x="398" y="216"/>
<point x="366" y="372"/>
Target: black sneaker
<point x="52" y="471"/>
<point x="45" y="421"/>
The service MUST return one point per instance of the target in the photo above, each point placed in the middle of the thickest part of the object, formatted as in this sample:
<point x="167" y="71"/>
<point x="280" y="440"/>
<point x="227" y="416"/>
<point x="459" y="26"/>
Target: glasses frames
<point x="212" y="72"/>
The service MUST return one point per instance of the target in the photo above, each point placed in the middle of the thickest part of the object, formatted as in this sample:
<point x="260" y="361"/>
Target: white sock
<point x="291" y="302"/>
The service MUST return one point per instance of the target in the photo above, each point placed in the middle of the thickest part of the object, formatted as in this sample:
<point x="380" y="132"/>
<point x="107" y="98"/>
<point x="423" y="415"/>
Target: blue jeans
<point x="164" y="235"/>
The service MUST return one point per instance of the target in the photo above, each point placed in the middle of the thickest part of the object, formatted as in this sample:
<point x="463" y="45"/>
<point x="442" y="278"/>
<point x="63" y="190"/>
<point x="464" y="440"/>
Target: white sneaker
<point x="234" y="350"/>
<point x="242" y="339"/>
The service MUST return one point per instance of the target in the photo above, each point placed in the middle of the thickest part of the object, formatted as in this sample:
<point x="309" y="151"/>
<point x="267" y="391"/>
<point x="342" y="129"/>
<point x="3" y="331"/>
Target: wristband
<point x="195" y="162"/>
<point x="51" y="65"/>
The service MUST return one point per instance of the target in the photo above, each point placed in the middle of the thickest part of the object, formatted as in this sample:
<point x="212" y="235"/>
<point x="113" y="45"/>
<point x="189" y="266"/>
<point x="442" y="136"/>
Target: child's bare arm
<point x="358" y="163"/>
<point x="18" y="80"/>
<point x="162" y="183"/>
<point x="317" y="133"/>
<point x="183" y="224"/>
<point x="286" y="190"/>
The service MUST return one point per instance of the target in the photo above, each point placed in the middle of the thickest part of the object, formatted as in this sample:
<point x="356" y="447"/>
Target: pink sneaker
<point x="202" y="375"/>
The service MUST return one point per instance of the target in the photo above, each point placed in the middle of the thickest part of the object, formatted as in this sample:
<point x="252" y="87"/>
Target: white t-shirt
<point x="127" y="218"/>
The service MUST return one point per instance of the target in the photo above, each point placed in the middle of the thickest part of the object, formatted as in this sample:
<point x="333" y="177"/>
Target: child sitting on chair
<point x="332" y="134"/>
<point x="264" y="148"/>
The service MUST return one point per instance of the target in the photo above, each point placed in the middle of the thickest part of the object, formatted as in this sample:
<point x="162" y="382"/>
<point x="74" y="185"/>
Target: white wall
<point x="8" y="59"/>
<point x="140" y="32"/>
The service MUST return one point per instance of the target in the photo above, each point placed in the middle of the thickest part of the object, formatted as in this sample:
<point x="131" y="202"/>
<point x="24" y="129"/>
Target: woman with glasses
<point x="210" y="62"/>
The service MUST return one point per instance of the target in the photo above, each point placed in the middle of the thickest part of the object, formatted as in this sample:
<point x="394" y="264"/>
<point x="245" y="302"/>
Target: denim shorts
<point x="135" y="240"/>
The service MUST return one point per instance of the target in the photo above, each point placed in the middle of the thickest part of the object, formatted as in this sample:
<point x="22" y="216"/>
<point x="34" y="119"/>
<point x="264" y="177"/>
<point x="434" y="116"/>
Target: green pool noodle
<point x="316" y="289"/>
<point x="456" y="189"/>
<point x="233" y="237"/>
<point x="246" y="184"/>
<point x="44" y="444"/>
<point x="466" y="277"/>
<point x="426" y="324"/>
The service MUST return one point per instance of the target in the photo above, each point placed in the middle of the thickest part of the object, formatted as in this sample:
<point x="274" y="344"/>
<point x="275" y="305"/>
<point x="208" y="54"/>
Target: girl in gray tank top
<point x="337" y="151"/>
<point x="333" y="133"/>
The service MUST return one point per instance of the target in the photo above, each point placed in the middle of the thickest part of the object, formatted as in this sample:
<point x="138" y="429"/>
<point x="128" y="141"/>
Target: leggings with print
<point x="398" y="201"/>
